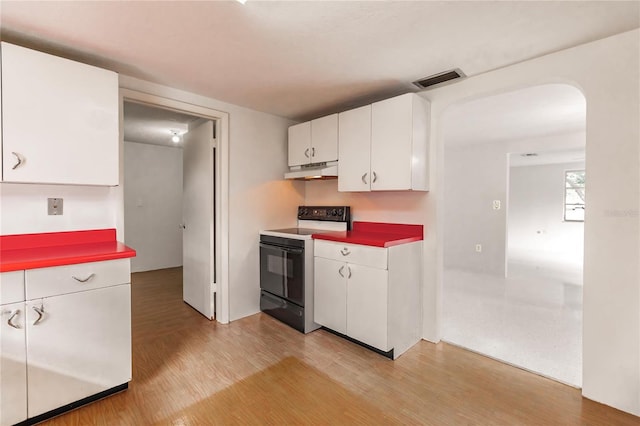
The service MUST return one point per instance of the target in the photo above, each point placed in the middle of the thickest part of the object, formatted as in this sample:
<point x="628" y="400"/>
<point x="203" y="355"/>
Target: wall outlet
<point x="496" y="204"/>
<point x="479" y="248"/>
<point x="54" y="206"/>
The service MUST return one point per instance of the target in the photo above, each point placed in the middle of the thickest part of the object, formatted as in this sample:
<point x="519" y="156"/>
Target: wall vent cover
<point x="439" y="78"/>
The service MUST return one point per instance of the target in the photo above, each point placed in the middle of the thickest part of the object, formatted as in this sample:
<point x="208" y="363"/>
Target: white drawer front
<point x="11" y="287"/>
<point x="375" y="257"/>
<point x="45" y="282"/>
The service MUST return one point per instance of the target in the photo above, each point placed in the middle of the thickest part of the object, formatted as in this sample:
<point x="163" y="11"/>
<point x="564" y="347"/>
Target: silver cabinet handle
<point x="364" y="178"/>
<point x="349" y="272"/>
<point x="345" y="252"/>
<point x="20" y="160"/>
<point x="340" y="271"/>
<point x="83" y="280"/>
<point x="313" y="151"/>
<point x="10" y="320"/>
<point x="375" y="177"/>
<point x="306" y="152"/>
<point x="40" y="312"/>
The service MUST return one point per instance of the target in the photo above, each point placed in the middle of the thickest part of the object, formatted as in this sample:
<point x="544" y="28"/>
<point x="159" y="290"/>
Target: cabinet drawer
<point x="375" y="257"/>
<point x="11" y="287"/>
<point x="45" y="282"/>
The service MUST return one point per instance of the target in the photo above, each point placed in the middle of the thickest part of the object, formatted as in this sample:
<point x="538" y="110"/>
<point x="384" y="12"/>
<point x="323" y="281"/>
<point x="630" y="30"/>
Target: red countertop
<point x="375" y="234"/>
<point x="29" y="251"/>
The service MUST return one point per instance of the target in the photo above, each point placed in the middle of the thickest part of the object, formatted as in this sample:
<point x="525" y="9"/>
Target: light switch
<point x="55" y="206"/>
<point x="496" y="204"/>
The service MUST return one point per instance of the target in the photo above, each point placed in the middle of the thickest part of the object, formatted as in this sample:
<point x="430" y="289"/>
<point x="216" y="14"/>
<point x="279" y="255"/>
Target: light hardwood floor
<point x="189" y="371"/>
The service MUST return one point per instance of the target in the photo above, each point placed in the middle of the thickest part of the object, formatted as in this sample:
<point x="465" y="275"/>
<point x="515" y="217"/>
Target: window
<point x="574" y="195"/>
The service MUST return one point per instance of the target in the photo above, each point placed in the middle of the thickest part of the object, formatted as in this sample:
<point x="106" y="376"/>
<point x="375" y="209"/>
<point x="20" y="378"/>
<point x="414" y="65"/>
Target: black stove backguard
<point x="326" y="213"/>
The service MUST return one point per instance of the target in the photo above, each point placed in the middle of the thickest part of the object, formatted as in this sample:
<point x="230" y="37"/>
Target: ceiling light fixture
<point x="175" y="138"/>
<point x="241" y="1"/>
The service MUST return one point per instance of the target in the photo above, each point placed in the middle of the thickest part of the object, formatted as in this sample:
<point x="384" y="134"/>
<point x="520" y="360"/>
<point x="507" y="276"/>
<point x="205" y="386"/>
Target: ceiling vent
<point x="439" y="78"/>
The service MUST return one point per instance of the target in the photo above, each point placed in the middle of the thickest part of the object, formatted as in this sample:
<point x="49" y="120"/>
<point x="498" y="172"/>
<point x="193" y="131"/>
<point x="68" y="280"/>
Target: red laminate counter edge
<point x="29" y="251"/>
<point x="375" y="234"/>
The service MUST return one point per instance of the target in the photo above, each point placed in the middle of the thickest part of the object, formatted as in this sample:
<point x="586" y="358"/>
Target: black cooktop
<point x="299" y="231"/>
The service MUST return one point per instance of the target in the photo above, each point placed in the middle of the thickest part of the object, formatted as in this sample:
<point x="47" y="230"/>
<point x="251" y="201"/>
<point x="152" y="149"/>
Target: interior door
<point x="197" y="213"/>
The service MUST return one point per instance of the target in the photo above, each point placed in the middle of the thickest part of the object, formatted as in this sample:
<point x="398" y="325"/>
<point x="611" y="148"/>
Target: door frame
<point x="221" y="190"/>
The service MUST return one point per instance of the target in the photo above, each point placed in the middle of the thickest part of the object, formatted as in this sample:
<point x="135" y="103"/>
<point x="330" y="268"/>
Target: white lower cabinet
<point x="330" y="298"/>
<point x="13" y="364"/>
<point x="370" y="294"/>
<point x="71" y="341"/>
<point x="78" y="344"/>
<point x="367" y="305"/>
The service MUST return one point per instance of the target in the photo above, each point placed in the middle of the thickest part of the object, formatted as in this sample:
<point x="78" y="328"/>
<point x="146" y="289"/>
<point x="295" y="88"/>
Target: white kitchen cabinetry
<point x="384" y="146"/>
<point x="330" y="299"/>
<point x="371" y="294"/>
<point x="354" y="150"/>
<point x="13" y="356"/>
<point x="78" y="345"/>
<point x="73" y="335"/>
<point x="59" y="120"/>
<point x="367" y="303"/>
<point x="314" y="141"/>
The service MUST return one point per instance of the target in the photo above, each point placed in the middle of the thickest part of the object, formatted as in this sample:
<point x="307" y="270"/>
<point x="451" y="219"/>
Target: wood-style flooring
<point x="190" y="371"/>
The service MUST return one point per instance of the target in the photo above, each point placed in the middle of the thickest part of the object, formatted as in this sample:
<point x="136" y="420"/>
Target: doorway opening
<point x="173" y="188"/>
<point x="512" y="286"/>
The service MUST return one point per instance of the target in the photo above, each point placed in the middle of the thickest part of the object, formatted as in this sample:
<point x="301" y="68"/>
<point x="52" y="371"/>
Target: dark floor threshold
<point x="388" y="354"/>
<point x="72" y="406"/>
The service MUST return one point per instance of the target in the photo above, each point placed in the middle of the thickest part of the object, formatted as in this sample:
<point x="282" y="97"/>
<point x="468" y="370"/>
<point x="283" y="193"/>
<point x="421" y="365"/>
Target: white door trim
<point x="221" y="190"/>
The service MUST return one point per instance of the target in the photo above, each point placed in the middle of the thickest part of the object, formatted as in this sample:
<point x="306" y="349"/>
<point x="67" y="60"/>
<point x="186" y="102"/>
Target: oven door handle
<point x="285" y="249"/>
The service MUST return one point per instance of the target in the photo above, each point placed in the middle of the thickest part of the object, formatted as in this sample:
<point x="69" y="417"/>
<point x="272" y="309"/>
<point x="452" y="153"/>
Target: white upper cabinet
<point x="354" y="149"/>
<point x="299" y="144"/>
<point x="314" y="141"/>
<point x="324" y="139"/>
<point x="393" y="153"/>
<point x="59" y="120"/>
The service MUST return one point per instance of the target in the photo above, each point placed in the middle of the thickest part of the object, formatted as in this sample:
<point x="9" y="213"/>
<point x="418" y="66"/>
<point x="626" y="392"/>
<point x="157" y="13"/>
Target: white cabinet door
<point x="354" y="130"/>
<point x="11" y="287"/>
<point x="324" y="139"/>
<point x="13" y="367"/>
<point x="300" y="144"/>
<point x="78" y="346"/>
<point x="330" y="294"/>
<point x="59" y="120"/>
<point x="367" y="305"/>
<point x="391" y="143"/>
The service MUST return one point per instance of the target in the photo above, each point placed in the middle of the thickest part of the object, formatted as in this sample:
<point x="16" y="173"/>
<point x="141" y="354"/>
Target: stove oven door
<point x="282" y="271"/>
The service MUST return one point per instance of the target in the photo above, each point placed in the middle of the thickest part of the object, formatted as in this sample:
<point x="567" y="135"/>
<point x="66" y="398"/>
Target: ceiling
<point x="529" y="113"/>
<point x="524" y="115"/>
<point x="145" y="124"/>
<point x="303" y="59"/>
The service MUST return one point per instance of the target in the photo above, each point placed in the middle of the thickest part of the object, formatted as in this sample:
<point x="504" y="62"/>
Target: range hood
<point x="314" y="171"/>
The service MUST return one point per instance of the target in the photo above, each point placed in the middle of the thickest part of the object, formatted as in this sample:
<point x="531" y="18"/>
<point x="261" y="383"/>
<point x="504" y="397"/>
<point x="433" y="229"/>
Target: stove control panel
<point x="328" y="213"/>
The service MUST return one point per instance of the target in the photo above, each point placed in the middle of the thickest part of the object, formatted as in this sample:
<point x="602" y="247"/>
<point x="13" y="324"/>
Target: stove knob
<point x="340" y="211"/>
<point x="334" y="212"/>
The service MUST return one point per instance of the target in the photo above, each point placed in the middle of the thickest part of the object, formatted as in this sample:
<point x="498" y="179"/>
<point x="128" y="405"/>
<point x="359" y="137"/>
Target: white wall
<point x="611" y="296"/>
<point x="538" y="233"/>
<point x="153" y="205"/>
<point x="23" y="208"/>
<point x="259" y="198"/>
<point x="474" y="176"/>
